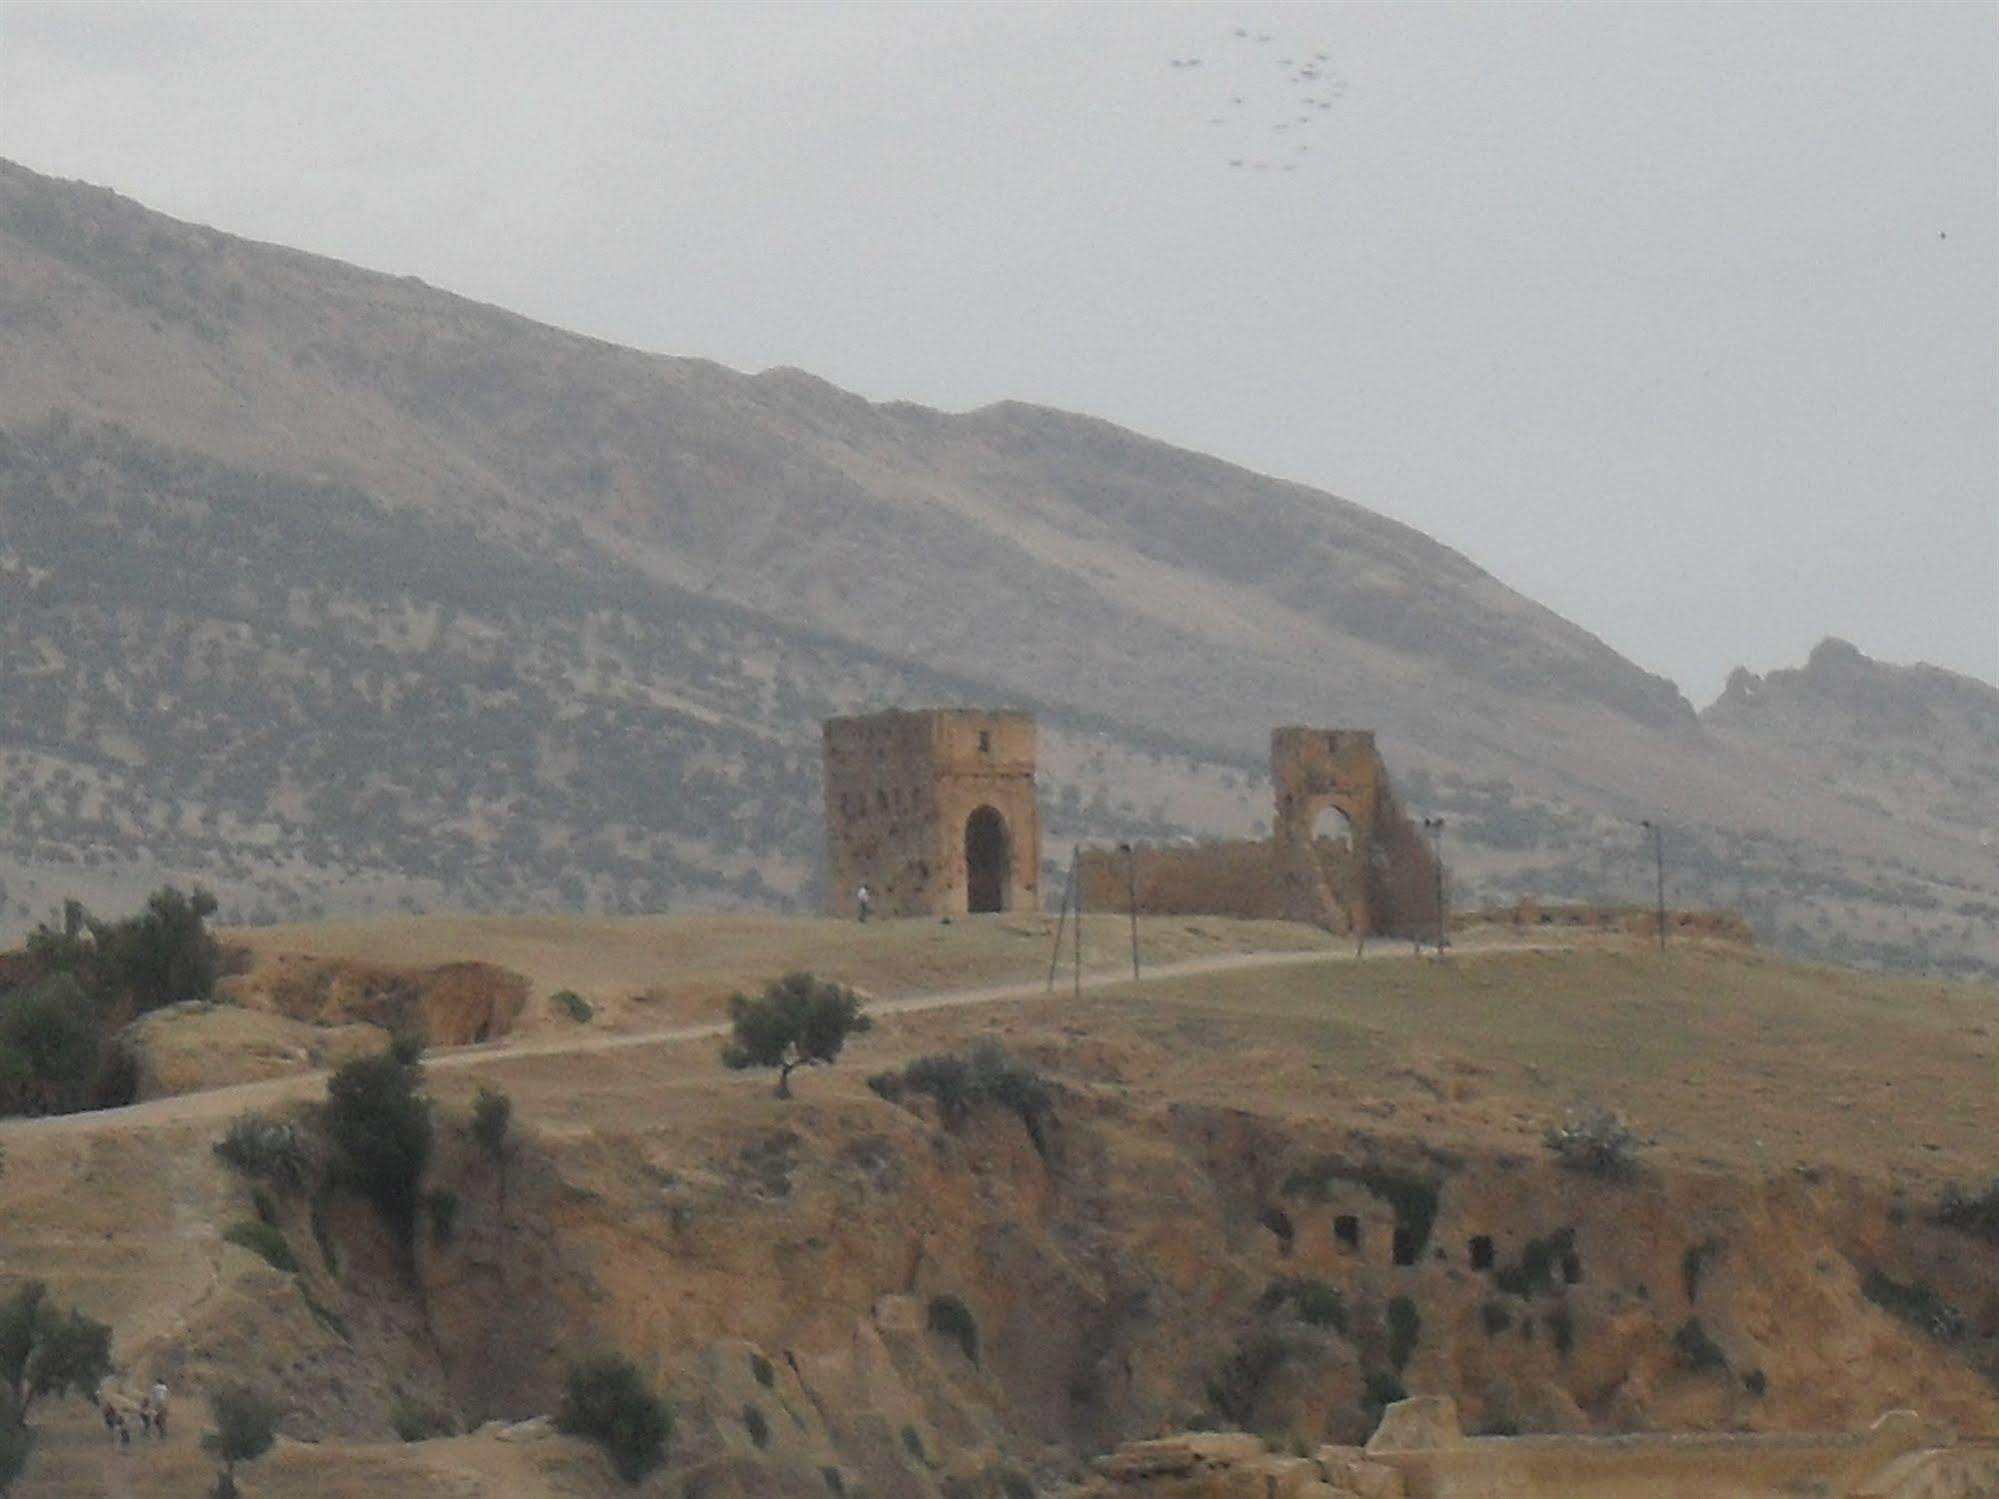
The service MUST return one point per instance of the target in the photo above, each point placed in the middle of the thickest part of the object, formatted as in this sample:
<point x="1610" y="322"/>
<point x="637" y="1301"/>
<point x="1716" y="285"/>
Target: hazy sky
<point x="1683" y="320"/>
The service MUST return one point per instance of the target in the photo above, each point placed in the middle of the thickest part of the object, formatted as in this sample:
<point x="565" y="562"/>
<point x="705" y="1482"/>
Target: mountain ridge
<point x="1161" y="608"/>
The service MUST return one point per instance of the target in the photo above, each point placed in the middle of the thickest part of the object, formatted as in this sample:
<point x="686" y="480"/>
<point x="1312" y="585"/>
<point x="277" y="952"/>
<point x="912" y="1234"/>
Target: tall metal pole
<point x="1075" y="856"/>
<point x="1131" y="880"/>
<point x="1061" y="919"/>
<point x="1659" y="862"/>
<point x="1435" y="827"/>
<point x="1443" y="917"/>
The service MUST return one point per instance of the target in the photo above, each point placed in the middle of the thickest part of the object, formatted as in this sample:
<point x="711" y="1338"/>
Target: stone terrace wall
<point x="1419" y="1453"/>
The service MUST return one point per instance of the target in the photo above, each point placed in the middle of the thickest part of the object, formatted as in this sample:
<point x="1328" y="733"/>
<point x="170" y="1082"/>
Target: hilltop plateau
<point x="1268" y="1188"/>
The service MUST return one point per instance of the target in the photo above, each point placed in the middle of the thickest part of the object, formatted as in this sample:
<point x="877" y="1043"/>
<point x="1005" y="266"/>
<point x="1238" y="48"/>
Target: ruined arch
<point x="988" y="860"/>
<point x="1373" y="884"/>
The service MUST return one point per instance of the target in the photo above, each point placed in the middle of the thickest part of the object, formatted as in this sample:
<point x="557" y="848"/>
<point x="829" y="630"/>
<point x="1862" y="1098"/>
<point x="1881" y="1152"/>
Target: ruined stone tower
<point x="933" y="811"/>
<point x="1376" y="878"/>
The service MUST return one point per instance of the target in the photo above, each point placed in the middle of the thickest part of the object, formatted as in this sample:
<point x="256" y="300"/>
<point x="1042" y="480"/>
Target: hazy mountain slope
<point x="1914" y="742"/>
<point x="639" y="582"/>
<point x="992" y="543"/>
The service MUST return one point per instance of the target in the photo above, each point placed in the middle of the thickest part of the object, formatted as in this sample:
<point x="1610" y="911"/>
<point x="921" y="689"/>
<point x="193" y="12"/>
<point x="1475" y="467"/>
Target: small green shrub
<point x="1320" y="1304"/>
<point x="265" y="1240"/>
<point x="763" y="1371"/>
<point x="575" y="1006"/>
<point x="1756" y="1382"/>
<point x="1694" y="1260"/>
<point x="1974" y="1213"/>
<point x="606" y="1400"/>
<point x="912" y="1443"/>
<point x="1234" y="1390"/>
<point x="1535" y="1269"/>
<point x="442" y="1206"/>
<point x="836" y="1484"/>
<point x="1562" y="1330"/>
<point x="1316" y="1302"/>
<point x="324" y="1315"/>
<point x="985" y="1076"/>
<point x="273" y="1149"/>
<point x="1405" y="1328"/>
<point x="1914" y="1303"/>
<point x="1014" y="1484"/>
<point x="492" y="1119"/>
<point x="757" y="1426"/>
<point x="1596" y="1142"/>
<point x="413" y="1422"/>
<point x="1694" y="1350"/>
<point x="322" y="1233"/>
<point x="1494" y="1318"/>
<point x="1381" y="1389"/>
<point x="951" y="1318"/>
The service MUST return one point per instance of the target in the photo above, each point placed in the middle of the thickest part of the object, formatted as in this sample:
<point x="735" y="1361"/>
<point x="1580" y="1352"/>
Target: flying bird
<point x="1310" y="88"/>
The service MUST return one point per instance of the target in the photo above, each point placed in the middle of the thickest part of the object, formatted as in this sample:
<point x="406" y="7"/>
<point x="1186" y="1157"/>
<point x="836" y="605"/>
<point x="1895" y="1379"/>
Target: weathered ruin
<point x="1420" y="1449"/>
<point x="934" y="812"/>
<point x="1342" y="853"/>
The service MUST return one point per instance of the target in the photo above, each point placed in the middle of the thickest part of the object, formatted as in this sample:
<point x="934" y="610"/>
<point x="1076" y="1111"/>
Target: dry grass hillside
<point x="462" y="564"/>
<point x="1204" y="1228"/>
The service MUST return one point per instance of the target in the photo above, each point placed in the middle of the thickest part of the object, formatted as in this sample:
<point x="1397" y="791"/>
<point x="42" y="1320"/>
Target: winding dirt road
<point x="224" y="1103"/>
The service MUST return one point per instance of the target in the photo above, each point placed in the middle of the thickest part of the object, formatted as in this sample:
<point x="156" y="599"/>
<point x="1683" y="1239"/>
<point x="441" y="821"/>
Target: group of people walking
<point x="152" y="1416"/>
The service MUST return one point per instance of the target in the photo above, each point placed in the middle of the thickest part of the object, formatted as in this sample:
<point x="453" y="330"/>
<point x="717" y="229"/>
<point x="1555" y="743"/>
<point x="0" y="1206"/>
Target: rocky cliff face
<point x="852" y="1285"/>
<point x="1273" y="1201"/>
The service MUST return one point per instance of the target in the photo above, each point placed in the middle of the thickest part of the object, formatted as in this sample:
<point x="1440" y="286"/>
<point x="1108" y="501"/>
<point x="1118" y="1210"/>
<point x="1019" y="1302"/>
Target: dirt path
<point x="225" y="1103"/>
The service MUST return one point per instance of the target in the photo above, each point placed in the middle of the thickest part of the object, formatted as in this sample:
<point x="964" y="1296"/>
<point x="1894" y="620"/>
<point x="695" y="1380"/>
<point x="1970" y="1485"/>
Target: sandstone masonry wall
<point x="1378" y="879"/>
<point x="905" y="791"/>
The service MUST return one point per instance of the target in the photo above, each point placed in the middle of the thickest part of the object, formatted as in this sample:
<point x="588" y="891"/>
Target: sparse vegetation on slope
<point x="606" y="1400"/>
<point x="984" y="1076"/>
<point x="379" y="1123"/>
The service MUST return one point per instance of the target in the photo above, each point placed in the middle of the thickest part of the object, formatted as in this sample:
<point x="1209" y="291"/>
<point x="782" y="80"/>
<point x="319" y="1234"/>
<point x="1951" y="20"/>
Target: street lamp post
<point x="1436" y="827"/>
<point x="1131" y="883"/>
<point x="1659" y="865"/>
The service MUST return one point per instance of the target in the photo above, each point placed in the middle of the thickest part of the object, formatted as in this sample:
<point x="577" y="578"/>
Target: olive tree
<point x="246" y="1423"/>
<point x="799" y="1021"/>
<point x="46" y="1352"/>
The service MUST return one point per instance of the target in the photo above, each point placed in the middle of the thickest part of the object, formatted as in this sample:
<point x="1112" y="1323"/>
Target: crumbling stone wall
<point x="1383" y="878"/>
<point x="1378" y="877"/>
<point x="1236" y="878"/>
<point x="934" y="812"/>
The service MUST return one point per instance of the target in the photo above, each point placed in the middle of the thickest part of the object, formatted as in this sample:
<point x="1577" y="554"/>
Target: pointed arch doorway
<point x="988" y="861"/>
